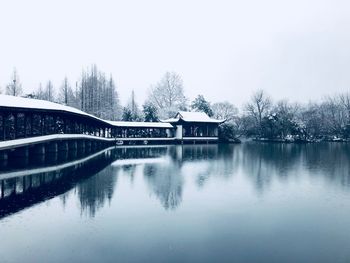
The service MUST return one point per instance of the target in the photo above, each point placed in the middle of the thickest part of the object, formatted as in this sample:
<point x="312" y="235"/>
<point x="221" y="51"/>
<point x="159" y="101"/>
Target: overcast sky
<point x="225" y="50"/>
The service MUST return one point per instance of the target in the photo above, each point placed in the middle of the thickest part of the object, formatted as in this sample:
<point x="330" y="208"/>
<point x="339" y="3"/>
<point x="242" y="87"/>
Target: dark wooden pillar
<point x="31" y="124"/>
<point x="3" y="135"/>
<point x="56" y="124"/>
<point x="25" y="125"/>
<point x="73" y="126"/>
<point x="24" y="183"/>
<point x="64" y="126"/>
<point x="42" y="124"/>
<point x="15" y="185"/>
<point x="2" y="188"/>
<point x="15" y="115"/>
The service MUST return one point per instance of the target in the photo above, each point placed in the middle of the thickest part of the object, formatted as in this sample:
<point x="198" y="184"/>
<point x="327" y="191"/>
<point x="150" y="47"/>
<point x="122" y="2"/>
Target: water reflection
<point x="40" y="184"/>
<point x="166" y="169"/>
<point x="265" y="162"/>
<point x="92" y="177"/>
<point x="96" y="190"/>
<point x="166" y="182"/>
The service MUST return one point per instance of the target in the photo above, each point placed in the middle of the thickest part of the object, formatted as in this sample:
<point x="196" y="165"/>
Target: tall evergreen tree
<point x="132" y="106"/>
<point x="150" y="112"/>
<point x="201" y="104"/>
<point x="127" y="114"/>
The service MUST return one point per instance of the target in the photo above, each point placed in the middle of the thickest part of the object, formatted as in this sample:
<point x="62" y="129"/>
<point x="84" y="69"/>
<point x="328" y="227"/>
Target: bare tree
<point x="334" y="115"/>
<point x="224" y="111"/>
<point x="64" y="92"/>
<point x="283" y="116"/>
<point x="345" y="102"/>
<point x="258" y="107"/>
<point x="98" y="95"/>
<point x="15" y="87"/>
<point x="39" y="93"/>
<point x="168" y="94"/>
<point x="49" y="91"/>
<point x="312" y="119"/>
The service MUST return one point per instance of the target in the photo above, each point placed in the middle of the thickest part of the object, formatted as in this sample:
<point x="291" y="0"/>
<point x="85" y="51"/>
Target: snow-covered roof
<point x="171" y="120"/>
<point x="135" y="124"/>
<point x="192" y="116"/>
<point x="27" y="103"/>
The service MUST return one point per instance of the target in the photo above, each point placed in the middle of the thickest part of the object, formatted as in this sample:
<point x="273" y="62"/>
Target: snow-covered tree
<point x="127" y="114"/>
<point x="133" y="108"/>
<point x="345" y="102"/>
<point x="201" y="104"/>
<point x="150" y="112"/>
<point x="168" y="95"/>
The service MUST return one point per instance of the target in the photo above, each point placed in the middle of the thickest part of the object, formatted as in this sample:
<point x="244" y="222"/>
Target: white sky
<point x="224" y="50"/>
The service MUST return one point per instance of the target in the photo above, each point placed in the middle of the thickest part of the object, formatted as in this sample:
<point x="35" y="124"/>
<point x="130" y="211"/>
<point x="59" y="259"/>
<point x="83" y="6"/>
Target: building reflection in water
<point x="40" y="184"/>
<point x="167" y="168"/>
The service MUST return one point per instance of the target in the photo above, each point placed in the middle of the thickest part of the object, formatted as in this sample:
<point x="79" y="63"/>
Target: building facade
<point x="23" y="118"/>
<point x="194" y="126"/>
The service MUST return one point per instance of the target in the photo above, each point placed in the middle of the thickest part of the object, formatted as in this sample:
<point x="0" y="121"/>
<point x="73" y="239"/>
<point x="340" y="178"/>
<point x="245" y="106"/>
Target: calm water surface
<point x="193" y="203"/>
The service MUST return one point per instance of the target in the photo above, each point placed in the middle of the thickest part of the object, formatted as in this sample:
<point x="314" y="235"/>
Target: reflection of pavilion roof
<point x="192" y="116"/>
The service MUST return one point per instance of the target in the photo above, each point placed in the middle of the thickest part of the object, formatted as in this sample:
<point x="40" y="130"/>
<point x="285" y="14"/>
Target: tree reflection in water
<point x="264" y="163"/>
<point x="166" y="182"/>
<point x="167" y="168"/>
<point x="96" y="190"/>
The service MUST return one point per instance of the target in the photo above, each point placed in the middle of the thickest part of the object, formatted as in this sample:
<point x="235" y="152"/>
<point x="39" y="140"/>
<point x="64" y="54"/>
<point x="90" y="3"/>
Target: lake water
<point x="193" y="203"/>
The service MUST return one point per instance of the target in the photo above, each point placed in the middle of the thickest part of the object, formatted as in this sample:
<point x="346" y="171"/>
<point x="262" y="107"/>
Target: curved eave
<point x="8" y="102"/>
<point x="56" y="111"/>
<point x="193" y="121"/>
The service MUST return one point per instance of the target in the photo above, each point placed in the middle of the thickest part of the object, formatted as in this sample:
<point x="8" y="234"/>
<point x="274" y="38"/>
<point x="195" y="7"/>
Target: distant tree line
<point x="328" y="119"/>
<point x="260" y="117"/>
<point x="263" y="119"/>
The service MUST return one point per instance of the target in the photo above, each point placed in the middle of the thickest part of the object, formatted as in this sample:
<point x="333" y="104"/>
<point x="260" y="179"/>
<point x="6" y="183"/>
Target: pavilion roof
<point x="192" y="116"/>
